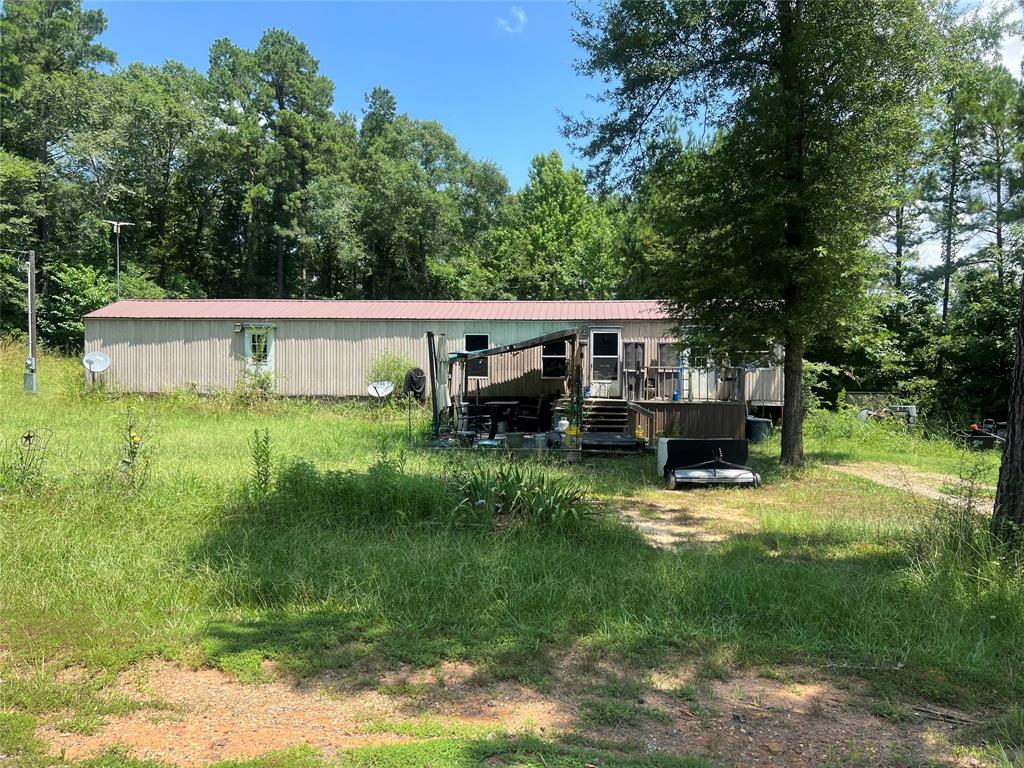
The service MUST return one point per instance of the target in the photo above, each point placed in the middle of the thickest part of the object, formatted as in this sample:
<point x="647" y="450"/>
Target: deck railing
<point x="762" y="385"/>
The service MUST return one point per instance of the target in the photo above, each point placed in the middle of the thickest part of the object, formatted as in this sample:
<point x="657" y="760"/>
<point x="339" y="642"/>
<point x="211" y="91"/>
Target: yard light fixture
<point x="117" y="249"/>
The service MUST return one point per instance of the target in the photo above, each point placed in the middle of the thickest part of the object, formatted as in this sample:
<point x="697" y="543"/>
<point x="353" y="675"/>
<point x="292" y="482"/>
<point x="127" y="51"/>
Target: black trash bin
<point x="758" y="429"/>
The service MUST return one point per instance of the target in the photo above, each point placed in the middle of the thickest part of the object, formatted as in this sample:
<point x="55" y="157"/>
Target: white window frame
<point x="564" y="357"/>
<point x="486" y="360"/>
<point x="256" y="329"/>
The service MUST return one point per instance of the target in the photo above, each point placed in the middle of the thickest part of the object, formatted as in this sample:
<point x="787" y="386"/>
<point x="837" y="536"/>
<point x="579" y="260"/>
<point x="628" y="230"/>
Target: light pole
<point x="117" y="249"/>
<point x="30" y="363"/>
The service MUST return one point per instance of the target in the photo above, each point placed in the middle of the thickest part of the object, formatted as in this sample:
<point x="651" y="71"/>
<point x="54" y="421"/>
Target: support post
<point x="30" y="362"/>
<point x="432" y="358"/>
<point x="117" y="259"/>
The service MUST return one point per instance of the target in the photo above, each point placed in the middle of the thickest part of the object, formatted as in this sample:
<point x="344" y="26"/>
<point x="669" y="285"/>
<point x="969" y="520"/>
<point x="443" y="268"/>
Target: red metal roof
<point x="299" y="309"/>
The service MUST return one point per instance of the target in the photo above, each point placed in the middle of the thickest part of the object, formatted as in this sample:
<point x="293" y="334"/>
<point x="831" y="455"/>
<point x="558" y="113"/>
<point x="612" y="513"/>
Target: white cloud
<point x="1011" y="51"/>
<point x="517" y="23"/>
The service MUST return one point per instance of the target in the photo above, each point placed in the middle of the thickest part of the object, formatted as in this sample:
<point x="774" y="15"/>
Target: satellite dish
<point x="96" y="362"/>
<point x="380" y="389"/>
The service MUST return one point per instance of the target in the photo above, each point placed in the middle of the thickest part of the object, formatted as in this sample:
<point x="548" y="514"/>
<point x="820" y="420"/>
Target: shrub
<point x="390" y="367"/>
<point x="517" y="493"/>
<point x="253" y="388"/>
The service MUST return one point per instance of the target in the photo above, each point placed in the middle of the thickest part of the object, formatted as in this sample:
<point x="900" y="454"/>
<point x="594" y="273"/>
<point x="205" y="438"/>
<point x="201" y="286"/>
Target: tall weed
<point x="261" y="475"/>
<point x="956" y="558"/>
<point x="22" y="462"/>
<point x="136" y="454"/>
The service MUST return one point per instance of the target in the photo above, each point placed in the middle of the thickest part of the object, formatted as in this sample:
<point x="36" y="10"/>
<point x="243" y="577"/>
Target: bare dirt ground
<point x="929" y="485"/>
<point x="790" y="717"/>
<point x="671" y="518"/>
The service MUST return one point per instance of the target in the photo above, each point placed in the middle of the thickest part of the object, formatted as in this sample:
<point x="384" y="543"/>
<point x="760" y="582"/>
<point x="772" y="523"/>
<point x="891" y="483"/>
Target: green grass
<point x="609" y="712"/>
<point x="427" y="727"/>
<point x="98" y="574"/>
<point x="840" y="438"/>
<point x="524" y="752"/>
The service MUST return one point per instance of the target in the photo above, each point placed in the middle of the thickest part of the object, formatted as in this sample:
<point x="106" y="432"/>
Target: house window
<point x="259" y="346"/>
<point x="700" y="358"/>
<point x="479" y="367"/>
<point x="553" y="364"/>
<point x="668" y="355"/>
<point x="634" y="358"/>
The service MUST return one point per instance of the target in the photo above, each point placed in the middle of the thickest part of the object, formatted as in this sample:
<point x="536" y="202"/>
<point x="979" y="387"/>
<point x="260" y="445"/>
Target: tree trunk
<point x="901" y="238"/>
<point x="789" y="65"/>
<point x="949" y="222"/>
<point x="793" y="403"/>
<point x="424" y="271"/>
<point x="1008" y="516"/>
<point x="280" y="267"/>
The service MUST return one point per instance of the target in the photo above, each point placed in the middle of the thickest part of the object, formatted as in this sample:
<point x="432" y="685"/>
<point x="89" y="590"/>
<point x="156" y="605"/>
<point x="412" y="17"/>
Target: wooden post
<point x="30" y="363"/>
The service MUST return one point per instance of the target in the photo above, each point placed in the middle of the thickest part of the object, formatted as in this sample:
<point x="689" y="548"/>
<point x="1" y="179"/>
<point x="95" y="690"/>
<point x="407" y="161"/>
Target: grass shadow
<point x="314" y="594"/>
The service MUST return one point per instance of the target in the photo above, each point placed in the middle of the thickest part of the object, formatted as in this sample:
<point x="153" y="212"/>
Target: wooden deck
<point x="707" y="419"/>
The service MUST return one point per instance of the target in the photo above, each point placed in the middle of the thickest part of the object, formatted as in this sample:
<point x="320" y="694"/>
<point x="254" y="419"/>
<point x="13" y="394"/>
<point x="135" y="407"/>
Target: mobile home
<point x="322" y="348"/>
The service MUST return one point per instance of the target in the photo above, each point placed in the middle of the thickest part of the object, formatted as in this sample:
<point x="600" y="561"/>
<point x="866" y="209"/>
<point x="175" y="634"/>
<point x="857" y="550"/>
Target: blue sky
<point x="494" y="74"/>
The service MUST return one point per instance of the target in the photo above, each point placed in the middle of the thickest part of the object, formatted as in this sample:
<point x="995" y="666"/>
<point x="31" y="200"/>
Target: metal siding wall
<point x="764" y="385"/>
<point x="333" y="357"/>
<point x="319" y="357"/>
<point x="164" y="355"/>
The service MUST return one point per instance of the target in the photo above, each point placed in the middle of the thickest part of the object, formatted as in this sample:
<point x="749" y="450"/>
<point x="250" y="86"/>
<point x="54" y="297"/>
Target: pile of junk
<point x="554" y="421"/>
<point x="503" y="420"/>
<point x="986" y="436"/>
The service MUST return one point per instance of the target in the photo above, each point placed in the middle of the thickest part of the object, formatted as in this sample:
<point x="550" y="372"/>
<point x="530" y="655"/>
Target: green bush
<point x="77" y="291"/>
<point x="517" y="493"/>
<point x="390" y="367"/>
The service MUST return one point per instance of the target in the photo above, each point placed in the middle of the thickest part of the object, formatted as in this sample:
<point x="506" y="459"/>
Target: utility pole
<point x="117" y="249"/>
<point x="30" y="363"/>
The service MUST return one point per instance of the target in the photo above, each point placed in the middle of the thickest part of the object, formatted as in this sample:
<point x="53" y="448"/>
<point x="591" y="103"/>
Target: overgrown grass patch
<point x="18" y="741"/>
<point x="613" y="712"/>
<point x="353" y="563"/>
<point x="428" y="727"/>
<point x="840" y="437"/>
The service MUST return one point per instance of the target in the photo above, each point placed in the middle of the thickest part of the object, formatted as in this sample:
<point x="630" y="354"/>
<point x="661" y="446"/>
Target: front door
<point x="606" y="362"/>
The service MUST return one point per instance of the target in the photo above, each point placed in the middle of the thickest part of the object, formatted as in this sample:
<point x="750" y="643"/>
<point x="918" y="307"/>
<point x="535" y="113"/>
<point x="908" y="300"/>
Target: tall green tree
<point x="48" y="62"/>
<point x="277" y="134"/>
<point x="998" y="175"/>
<point x="819" y="108"/>
<point x="129" y="159"/>
<point x="425" y="205"/>
<point x="557" y="242"/>
<point x="953" y="138"/>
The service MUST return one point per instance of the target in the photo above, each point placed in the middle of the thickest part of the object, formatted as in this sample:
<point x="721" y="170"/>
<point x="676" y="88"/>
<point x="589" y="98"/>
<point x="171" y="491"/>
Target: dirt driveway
<point x="772" y="717"/>
<point x="932" y="486"/>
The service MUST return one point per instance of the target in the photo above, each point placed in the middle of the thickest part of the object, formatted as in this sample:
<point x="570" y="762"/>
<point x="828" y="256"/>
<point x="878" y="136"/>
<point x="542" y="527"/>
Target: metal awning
<point x="538" y="341"/>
